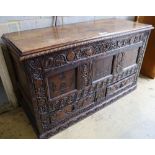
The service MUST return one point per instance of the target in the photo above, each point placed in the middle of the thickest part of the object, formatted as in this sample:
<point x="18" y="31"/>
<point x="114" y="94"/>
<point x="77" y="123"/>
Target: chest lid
<point x="31" y="43"/>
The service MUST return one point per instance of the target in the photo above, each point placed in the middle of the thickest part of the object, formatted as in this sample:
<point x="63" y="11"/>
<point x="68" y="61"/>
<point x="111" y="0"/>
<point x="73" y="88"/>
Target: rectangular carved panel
<point x="102" y="67"/>
<point x="124" y="59"/>
<point x="130" y="57"/>
<point x="62" y="83"/>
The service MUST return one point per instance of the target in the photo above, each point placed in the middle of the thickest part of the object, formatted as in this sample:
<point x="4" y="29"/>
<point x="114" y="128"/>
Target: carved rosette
<point x="70" y="56"/>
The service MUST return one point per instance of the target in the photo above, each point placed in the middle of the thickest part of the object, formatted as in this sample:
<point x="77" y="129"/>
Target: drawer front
<point x="115" y="88"/>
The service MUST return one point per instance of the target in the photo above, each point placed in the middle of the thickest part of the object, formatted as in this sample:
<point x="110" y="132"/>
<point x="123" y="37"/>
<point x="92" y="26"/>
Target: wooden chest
<point x="65" y="73"/>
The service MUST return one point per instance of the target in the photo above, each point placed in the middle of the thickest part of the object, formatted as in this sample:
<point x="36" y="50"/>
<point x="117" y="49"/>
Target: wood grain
<point x="33" y="41"/>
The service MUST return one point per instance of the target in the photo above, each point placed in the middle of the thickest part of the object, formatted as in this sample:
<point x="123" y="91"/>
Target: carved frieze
<point x="74" y="54"/>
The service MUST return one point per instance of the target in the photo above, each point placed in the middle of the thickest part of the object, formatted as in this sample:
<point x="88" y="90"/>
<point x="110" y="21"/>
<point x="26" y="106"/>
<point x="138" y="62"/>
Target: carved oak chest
<point x="63" y="74"/>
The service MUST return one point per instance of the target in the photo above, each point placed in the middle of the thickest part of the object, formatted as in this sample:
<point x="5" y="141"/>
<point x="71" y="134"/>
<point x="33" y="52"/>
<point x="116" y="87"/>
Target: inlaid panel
<point x="62" y="83"/>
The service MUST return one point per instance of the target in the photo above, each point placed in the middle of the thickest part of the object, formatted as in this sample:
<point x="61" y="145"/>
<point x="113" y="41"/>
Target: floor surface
<point x="133" y="116"/>
<point x="3" y="97"/>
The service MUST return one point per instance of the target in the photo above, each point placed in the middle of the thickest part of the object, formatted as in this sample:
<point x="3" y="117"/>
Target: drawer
<point x="70" y="110"/>
<point x="62" y="108"/>
<point x="120" y="85"/>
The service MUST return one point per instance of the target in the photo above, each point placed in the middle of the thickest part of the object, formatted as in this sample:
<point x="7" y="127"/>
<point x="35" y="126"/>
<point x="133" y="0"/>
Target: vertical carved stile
<point x="84" y="75"/>
<point x="141" y="52"/>
<point x="35" y="74"/>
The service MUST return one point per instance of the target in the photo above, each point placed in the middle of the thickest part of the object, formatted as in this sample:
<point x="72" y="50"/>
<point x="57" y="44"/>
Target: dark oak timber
<point x="66" y="73"/>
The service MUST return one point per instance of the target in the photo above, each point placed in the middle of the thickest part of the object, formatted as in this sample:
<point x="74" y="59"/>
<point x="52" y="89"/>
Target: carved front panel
<point x="126" y="58"/>
<point x="102" y="67"/>
<point x="68" y="84"/>
<point x="130" y="57"/>
<point x="61" y="83"/>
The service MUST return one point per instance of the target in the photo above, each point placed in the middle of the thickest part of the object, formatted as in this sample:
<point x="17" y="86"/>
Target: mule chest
<point x="66" y="73"/>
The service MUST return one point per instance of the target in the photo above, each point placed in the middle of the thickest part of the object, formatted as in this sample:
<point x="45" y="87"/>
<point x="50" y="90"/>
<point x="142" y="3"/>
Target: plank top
<point x="33" y="41"/>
